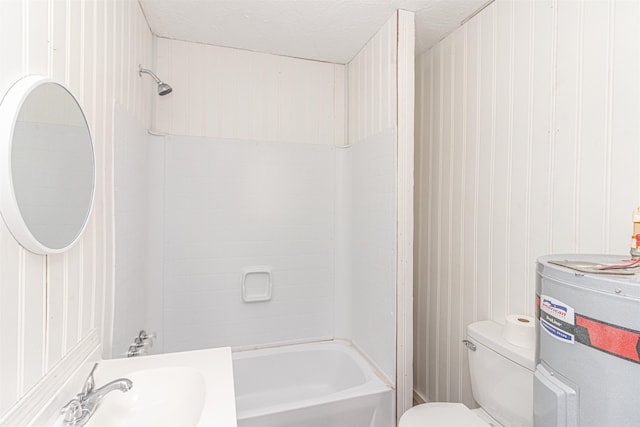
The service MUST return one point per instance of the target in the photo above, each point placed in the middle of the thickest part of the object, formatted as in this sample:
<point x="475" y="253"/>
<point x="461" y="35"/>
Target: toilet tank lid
<point x="489" y="334"/>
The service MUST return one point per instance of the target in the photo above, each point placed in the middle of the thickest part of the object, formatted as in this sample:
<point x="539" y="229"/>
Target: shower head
<point x="163" y="88"/>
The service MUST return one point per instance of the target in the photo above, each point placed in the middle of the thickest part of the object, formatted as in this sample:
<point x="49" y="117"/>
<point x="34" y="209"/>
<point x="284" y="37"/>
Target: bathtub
<point x="320" y="384"/>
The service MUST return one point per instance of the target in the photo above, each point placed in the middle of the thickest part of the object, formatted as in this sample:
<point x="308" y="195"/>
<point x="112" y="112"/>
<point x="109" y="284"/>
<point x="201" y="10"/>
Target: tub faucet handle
<point x="147" y="337"/>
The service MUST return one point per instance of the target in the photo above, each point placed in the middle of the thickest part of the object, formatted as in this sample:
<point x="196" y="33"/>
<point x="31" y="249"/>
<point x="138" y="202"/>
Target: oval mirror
<point x="47" y="165"/>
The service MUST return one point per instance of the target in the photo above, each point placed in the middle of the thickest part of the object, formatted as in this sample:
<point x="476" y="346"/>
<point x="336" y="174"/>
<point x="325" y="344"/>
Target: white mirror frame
<point x="10" y="108"/>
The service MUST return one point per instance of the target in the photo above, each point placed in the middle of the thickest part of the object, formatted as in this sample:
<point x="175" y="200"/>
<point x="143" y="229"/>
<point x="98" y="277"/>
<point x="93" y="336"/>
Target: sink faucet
<point x="80" y="409"/>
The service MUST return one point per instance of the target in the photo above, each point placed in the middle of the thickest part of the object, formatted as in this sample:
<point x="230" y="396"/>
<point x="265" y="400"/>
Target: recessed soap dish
<point x="256" y="284"/>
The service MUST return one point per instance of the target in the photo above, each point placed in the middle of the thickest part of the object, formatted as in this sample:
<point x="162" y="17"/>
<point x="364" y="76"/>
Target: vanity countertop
<point x="191" y="379"/>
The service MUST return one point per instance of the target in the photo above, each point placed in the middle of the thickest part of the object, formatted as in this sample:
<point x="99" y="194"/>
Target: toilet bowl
<point x="501" y="382"/>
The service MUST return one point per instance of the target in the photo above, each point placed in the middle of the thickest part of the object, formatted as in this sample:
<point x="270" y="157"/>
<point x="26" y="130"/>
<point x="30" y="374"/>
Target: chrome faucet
<point x="80" y="409"/>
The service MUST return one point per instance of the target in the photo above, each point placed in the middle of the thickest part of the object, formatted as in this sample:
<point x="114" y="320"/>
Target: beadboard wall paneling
<point x="526" y="134"/>
<point x="371" y="89"/>
<point x="48" y="304"/>
<point x="229" y="93"/>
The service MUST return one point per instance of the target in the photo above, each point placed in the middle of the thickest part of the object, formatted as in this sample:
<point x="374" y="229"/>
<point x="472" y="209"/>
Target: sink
<point x="192" y="388"/>
<point x="159" y="397"/>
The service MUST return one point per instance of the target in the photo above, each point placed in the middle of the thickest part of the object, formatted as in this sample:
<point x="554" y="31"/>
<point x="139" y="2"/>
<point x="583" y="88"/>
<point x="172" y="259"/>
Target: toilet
<point x="501" y="382"/>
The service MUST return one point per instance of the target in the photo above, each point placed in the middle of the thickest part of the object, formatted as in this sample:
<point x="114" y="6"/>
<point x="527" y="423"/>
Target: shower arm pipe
<point x="162" y="87"/>
<point x="142" y="70"/>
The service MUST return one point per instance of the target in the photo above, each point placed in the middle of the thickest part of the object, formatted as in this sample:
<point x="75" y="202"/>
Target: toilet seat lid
<point x="440" y="414"/>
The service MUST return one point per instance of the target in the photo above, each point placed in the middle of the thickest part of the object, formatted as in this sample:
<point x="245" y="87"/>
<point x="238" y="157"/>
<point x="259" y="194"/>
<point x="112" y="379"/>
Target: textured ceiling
<point x="324" y="30"/>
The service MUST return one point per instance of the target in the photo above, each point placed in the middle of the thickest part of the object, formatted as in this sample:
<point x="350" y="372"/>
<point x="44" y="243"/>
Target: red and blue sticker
<point x="560" y="321"/>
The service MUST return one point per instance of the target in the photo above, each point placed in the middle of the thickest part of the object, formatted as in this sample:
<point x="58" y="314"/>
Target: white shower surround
<point x="232" y="204"/>
<point x="323" y="218"/>
<point x="262" y="183"/>
<point x="229" y="204"/>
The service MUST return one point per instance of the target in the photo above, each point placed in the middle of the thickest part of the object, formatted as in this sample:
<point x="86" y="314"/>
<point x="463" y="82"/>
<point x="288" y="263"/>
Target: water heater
<point x="588" y="349"/>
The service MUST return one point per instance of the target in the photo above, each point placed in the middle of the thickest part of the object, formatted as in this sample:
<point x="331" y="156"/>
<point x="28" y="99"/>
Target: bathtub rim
<point x="375" y="382"/>
<point x="313" y="341"/>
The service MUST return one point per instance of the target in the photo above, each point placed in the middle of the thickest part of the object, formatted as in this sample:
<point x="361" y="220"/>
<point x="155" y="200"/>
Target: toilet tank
<point x="501" y="375"/>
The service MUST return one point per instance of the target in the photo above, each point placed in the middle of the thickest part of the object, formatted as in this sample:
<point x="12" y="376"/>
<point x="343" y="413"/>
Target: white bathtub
<point x="320" y="384"/>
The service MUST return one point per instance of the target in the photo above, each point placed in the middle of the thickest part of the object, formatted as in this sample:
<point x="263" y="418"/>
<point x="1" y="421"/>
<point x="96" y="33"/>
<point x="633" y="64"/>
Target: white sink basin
<point x="160" y="397"/>
<point x="193" y="388"/>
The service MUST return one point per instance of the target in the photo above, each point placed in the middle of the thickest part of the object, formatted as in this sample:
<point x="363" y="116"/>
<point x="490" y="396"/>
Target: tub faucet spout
<point x="80" y="409"/>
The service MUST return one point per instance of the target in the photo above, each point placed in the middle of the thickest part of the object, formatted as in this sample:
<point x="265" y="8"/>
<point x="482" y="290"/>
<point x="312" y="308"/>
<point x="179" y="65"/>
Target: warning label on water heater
<point x="557" y="319"/>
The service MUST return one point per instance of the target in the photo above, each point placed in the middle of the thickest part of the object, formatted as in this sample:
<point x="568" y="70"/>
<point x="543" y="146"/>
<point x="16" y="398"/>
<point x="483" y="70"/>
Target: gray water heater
<point x="588" y="349"/>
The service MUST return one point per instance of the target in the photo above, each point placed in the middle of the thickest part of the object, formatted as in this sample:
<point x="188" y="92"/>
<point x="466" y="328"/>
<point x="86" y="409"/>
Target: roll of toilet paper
<point x="520" y="330"/>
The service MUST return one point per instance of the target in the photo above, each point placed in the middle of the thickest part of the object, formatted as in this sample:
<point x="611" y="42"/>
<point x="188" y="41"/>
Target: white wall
<point x="370" y="217"/>
<point x="372" y="93"/>
<point x="236" y="94"/>
<point x="51" y="305"/>
<point x="526" y="133"/>
<point x="133" y="168"/>
<point x="370" y="181"/>
<point x="233" y="204"/>
<point x="405" y="222"/>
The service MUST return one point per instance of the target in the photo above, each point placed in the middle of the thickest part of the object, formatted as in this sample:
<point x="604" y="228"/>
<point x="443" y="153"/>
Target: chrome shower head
<point x="163" y="88"/>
